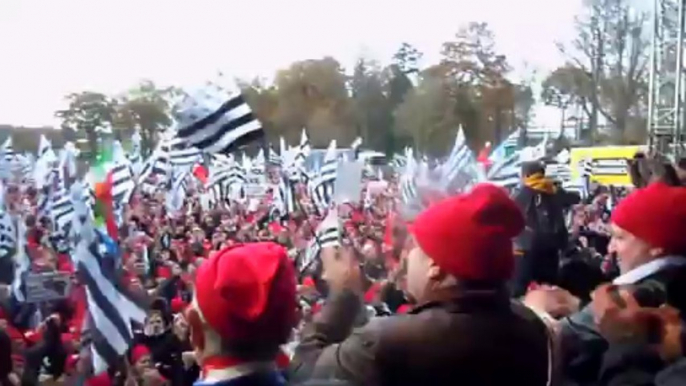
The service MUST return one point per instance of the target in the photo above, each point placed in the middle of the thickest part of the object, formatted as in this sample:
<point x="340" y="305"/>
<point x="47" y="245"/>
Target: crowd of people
<point x="537" y="287"/>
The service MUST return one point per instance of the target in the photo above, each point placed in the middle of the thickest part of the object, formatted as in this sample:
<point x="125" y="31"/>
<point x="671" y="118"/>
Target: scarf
<point x="539" y="183"/>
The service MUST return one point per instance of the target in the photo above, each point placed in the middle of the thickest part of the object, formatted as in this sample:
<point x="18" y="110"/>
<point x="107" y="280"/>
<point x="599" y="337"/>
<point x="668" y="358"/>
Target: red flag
<point x="482" y="158"/>
<point x="200" y="172"/>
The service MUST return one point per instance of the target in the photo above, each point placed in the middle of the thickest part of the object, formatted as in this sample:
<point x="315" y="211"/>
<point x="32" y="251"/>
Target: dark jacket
<point x="633" y="364"/>
<point x="48" y="355"/>
<point x="583" y="347"/>
<point x="476" y="338"/>
<point x="5" y="358"/>
<point x="166" y="350"/>
<point x="254" y="379"/>
<point x="537" y="234"/>
<point x="541" y="242"/>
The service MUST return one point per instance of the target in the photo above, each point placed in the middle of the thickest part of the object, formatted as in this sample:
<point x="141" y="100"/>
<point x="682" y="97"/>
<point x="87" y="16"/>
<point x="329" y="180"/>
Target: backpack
<point x="546" y="220"/>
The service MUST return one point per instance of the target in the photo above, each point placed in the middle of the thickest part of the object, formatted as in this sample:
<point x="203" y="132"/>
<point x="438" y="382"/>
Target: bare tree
<point x="611" y="49"/>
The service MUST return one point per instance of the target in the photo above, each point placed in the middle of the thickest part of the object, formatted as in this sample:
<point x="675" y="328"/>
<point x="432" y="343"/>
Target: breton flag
<point x="327" y="235"/>
<point x="216" y="123"/>
<point x="323" y="186"/>
<point x="111" y="309"/>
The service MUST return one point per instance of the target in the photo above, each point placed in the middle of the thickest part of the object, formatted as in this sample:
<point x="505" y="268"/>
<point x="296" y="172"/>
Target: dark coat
<point x="166" y="350"/>
<point x="631" y="364"/>
<point x="541" y="242"/>
<point x="536" y="235"/>
<point x="583" y="347"/>
<point x="476" y="338"/>
<point x="254" y="379"/>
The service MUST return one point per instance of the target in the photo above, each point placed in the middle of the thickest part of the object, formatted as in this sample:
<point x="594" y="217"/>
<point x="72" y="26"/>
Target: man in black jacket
<point x="545" y="236"/>
<point x="648" y="229"/>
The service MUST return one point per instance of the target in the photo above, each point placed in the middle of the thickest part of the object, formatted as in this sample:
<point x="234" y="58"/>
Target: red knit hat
<point x="102" y="379"/>
<point x="138" y="352"/>
<point x="164" y="272"/>
<point x="177" y="305"/>
<point x="655" y="214"/>
<point x="248" y="292"/>
<point x="470" y="235"/>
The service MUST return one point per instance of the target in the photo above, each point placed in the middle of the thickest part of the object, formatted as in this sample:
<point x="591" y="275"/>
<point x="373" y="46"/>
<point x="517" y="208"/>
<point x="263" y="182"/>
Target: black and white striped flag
<point x="8" y="240"/>
<point x="179" y="189"/>
<point x="582" y="183"/>
<point x="398" y="162"/>
<point x="612" y="167"/>
<point x="22" y="264"/>
<point x="111" y="309"/>
<point x="181" y="155"/>
<point x="408" y="189"/>
<point x="285" y="199"/>
<point x="157" y="165"/>
<point x="507" y="172"/>
<point x="214" y="123"/>
<point x="458" y="160"/>
<point x="303" y="148"/>
<point x="7" y="150"/>
<point x="323" y="185"/>
<point x="274" y="159"/>
<point x="559" y="172"/>
<point x="61" y="207"/>
<point x="328" y="234"/>
<point x="122" y="184"/>
<point x="229" y="177"/>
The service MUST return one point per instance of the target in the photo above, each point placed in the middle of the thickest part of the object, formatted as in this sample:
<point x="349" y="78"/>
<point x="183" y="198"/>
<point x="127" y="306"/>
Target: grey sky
<point x="49" y="48"/>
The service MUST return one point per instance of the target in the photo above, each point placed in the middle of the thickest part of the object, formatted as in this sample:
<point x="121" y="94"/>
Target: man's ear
<point x="435" y="273"/>
<point x="656" y="252"/>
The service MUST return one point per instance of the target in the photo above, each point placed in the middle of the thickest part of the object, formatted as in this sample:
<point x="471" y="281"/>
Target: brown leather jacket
<point x="474" y="338"/>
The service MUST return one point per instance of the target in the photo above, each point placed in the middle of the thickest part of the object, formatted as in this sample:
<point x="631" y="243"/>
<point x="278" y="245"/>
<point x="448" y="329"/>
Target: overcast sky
<point x="49" y="48"/>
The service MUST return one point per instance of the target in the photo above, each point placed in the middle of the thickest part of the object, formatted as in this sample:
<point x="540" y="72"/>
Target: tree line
<point x="604" y="80"/>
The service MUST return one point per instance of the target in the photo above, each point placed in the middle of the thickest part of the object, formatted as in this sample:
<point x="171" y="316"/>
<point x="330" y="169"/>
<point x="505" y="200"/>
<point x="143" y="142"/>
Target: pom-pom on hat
<point x="248" y="292"/>
<point x="655" y="214"/>
<point x="470" y="236"/>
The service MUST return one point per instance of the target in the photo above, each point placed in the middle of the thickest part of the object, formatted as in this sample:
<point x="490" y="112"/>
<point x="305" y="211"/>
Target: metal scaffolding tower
<point x="666" y="118"/>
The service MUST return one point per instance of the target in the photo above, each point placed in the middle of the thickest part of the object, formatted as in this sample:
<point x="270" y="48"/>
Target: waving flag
<point x="215" y="122"/>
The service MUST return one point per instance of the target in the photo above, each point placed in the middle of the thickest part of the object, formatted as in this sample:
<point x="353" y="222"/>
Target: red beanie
<point x="470" y="236"/>
<point x="102" y="379"/>
<point x="164" y="272"/>
<point x="248" y="292"/>
<point x="138" y="352"/>
<point x="177" y="305"/>
<point x="655" y="214"/>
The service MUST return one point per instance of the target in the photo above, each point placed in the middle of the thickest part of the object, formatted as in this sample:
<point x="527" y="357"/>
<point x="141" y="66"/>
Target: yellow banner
<point x="609" y="163"/>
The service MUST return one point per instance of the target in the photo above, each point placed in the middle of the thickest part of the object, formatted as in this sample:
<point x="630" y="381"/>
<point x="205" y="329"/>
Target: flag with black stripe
<point x="122" y="184"/>
<point x="215" y="123"/>
<point x="22" y="264"/>
<point x="111" y="309"/>
<point x="506" y="172"/>
<point x="181" y="155"/>
<point x="328" y="234"/>
<point x="323" y="185"/>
